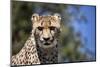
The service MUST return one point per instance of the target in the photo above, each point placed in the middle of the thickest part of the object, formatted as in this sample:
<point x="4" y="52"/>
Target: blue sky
<point x="87" y="29"/>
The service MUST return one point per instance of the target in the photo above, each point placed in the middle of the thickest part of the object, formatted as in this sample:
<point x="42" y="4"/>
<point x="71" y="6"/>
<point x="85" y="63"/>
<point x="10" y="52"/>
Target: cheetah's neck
<point x="48" y="56"/>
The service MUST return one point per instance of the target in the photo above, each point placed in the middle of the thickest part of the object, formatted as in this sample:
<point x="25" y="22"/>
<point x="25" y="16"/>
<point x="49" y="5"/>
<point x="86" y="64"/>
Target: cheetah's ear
<point x="57" y="16"/>
<point x="34" y="17"/>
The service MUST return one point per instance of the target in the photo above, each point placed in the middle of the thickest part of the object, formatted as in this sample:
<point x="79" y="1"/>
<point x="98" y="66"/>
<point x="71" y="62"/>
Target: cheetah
<point x="42" y="45"/>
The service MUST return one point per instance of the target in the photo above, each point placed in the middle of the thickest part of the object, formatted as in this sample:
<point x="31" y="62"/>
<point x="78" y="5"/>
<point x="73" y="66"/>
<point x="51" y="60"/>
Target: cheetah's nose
<point x="46" y="39"/>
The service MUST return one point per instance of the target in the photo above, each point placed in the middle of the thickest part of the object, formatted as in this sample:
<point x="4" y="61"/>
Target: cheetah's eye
<point x="52" y="28"/>
<point x="40" y="28"/>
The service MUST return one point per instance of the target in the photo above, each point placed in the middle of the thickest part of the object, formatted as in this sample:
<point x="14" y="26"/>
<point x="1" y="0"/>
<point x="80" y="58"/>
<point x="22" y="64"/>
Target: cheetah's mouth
<point x="46" y="43"/>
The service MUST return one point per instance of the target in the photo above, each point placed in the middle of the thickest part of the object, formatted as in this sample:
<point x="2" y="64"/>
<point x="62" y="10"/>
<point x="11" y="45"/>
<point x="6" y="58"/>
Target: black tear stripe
<point x="41" y="33"/>
<point x="55" y="32"/>
<point x="51" y="33"/>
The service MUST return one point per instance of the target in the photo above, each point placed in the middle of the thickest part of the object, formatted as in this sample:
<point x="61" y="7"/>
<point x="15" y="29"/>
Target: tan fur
<point x="41" y="47"/>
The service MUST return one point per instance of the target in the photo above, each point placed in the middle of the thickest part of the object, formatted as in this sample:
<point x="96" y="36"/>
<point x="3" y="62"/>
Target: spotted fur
<point x="42" y="46"/>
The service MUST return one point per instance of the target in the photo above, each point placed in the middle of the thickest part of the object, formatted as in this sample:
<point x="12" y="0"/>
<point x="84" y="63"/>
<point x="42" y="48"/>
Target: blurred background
<point x="78" y="36"/>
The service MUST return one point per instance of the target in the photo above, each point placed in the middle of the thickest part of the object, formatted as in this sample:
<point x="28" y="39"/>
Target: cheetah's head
<point x="46" y="29"/>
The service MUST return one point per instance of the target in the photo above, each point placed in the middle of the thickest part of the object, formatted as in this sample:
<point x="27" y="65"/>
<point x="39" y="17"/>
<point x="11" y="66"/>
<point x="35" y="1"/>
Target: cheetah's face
<point x="46" y="30"/>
